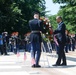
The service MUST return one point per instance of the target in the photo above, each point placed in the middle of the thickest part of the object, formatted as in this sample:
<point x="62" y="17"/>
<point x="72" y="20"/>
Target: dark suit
<point x="35" y="39"/>
<point x="61" y="38"/>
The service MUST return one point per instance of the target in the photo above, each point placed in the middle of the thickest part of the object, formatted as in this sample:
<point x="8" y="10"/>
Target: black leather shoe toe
<point x="55" y="65"/>
<point x="38" y="66"/>
<point x="33" y="66"/>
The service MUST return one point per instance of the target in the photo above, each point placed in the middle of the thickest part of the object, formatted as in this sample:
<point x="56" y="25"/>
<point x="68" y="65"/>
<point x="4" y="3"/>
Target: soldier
<point x="36" y="28"/>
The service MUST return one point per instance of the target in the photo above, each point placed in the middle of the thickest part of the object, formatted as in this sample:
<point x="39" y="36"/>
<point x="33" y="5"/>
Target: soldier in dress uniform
<point x="36" y="27"/>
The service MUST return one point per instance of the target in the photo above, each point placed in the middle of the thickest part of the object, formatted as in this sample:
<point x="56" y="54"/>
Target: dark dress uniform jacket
<point x="61" y="37"/>
<point x="36" y="25"/>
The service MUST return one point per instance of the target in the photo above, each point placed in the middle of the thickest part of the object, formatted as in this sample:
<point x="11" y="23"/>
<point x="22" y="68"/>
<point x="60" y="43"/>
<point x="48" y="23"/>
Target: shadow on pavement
<point x="68" y="66"/>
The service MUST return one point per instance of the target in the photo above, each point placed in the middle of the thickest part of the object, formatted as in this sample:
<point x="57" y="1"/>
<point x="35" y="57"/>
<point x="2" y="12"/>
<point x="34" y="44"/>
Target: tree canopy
<point x="67" y="11"/>
<point x="15" y="14"/>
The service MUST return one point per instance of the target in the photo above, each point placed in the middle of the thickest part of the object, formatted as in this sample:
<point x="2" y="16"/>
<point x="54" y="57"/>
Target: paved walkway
<point x="13" y="65"/>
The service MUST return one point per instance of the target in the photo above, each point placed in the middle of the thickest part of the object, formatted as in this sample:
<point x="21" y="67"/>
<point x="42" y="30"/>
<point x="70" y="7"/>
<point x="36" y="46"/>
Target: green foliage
<point x="53" y="21"/>
<point x="5" y="13"/>
<point x="15" y="14"/>
<point x="68" y="12"/>
<point x="68" y="2"/>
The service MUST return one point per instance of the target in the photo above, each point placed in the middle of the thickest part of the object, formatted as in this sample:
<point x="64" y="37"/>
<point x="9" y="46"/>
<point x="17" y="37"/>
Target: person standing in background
<point x="73" y="42"/>
<point x="1" y="44"/>
<point x="5" y="41"/>
<point x="67" y="41"/>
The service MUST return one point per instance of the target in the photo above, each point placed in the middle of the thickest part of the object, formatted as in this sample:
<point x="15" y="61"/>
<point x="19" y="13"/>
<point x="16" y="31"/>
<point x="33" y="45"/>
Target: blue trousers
<point x="36" y="51"/>
<point x="73" y="47"/>
<point x="67" y="48"/>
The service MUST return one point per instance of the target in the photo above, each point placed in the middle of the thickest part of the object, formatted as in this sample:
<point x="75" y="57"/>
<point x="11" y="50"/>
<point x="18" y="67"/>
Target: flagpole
<point x="25" y="57"/>
<point x="18" y="55"/>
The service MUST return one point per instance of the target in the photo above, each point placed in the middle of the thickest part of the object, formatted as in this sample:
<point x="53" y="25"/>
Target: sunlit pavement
<point x="13" y="65"/>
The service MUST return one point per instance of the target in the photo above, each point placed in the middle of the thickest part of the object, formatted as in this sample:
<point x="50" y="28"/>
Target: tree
<point x="69" y="17"/>
<point x="68" y="13"/>
<point x="3" y="14"/>
<point x="15" y="14"/>
<point x="53" y="21"/>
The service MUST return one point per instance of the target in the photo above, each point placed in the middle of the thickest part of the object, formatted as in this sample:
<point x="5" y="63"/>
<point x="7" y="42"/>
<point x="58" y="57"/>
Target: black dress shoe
<point x="55" y="65"/>
<point x="33" y="66"/>
<point x="63" y="64"/>
<point x="37" y="66"/>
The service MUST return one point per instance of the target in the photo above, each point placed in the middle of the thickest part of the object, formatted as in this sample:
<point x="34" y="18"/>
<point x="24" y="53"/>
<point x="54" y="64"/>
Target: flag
<point x="33" y="61"/>
<point x="18" y="54"/>
<point x="25" y="57"/>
